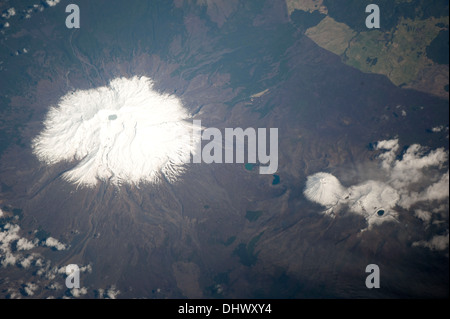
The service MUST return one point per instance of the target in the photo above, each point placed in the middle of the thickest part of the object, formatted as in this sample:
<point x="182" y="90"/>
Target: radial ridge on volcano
<point x="324" y="188"/>
<point x="125" y="132"/>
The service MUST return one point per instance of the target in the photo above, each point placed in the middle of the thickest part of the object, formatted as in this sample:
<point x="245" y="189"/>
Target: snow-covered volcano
<point x="324" y="188"/>
<point x="125" y="132"/>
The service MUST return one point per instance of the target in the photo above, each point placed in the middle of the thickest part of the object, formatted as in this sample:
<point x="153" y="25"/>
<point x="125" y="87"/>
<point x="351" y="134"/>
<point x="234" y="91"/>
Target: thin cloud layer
<point x="123" y="133"/>
<point x="404" y="182"/>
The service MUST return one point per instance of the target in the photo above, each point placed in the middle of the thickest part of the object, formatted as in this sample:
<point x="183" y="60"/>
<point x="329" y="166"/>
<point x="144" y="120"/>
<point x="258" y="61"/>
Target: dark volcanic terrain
<point x="223" y="230"/>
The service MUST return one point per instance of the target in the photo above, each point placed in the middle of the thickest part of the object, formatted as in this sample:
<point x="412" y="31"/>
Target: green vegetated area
<point x="331" y="35"/>
<point x="352" y="12"/>
<point x="413" y="35"/>
<point x="399" y="54"/>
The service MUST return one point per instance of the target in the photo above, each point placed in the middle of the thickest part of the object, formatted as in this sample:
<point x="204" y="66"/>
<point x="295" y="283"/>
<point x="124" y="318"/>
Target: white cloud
<point x="125" y="133"/>
<point x="46" y="270"/>
<point x="438" y="242"/>
<point x="62" y="270"/>
<point x="9" y="234"/>
<point x="25" y="244"/>
<point x="434" y="192"/>
<point x="41" y="268"/>
<point x="39" y="262"/>
<point x="388" y="157"/>
<point x="27" y="13"/>
<point x="8" y="259"/>
<point x="49" y="272"/>
<point x="410" y="168"/>
<point x="373" y="200"/>
<point x="54" y="243"/>
<point x="52" y="272"/>
<point x="13" y="294"/>
<point x="35" y="8"/>
<point x="440" y="128"/>
<point x="52" y="3"/>
<point x="78" y="292"/>
<point x="110" y="293"/>
<point x="30" y="289"/>
<point x="26" y="262"/>
<point x="387" y="145"/>
<point x="55" y="286"/>
<point x="87" y="268"/>
<point x="1" y="213"/>
<point x="9" y="13"/>
<point x="437" y="191"/>
<point x="441" y="208"/>
<point x="423" y="215"/>
<point x="402" y="182"/>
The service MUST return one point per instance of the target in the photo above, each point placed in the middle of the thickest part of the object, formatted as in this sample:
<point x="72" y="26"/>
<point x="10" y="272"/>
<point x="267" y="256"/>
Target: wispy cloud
<point x="438" y="242"/>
